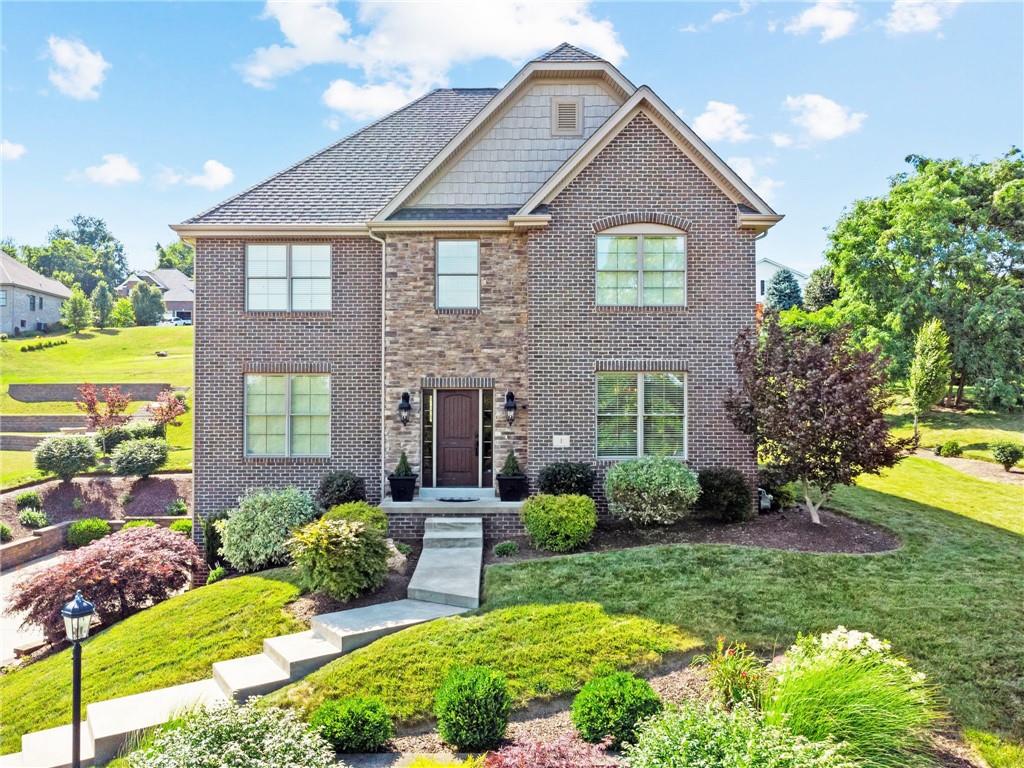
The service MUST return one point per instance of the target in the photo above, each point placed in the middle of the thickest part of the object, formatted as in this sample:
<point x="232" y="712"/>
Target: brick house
<point x="565" y="243"/>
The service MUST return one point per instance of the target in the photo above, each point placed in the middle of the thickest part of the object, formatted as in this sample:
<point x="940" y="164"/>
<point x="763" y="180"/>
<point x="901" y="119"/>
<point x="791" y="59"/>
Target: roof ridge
<point x="306" y="159"/>
<point x="582" y="53"/>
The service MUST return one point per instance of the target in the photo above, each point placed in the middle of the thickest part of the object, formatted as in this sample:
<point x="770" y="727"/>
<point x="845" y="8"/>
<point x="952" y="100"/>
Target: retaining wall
<point x="43" y="393"/>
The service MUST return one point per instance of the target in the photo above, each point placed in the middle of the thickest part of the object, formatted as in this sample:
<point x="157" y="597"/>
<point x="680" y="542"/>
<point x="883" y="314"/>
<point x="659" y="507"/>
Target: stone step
<point x="111" y="723"/>
<point x="452" y="539"/>
<point x="348" y="630"/>
<point x="449" y="576"/>
<point x="433" y="526"/>
<point x="249" y="676"/>
<point x="52" y="748"/>
<point x="12" y="760"/>
<point x="299" y="654"/>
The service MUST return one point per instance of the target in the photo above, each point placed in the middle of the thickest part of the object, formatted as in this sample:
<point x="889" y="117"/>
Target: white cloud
<point x="11" y="151"/>
<point x="721" y="121"/>
<point x="835" y="19"/>
<point x="725" y="14"/>
<point x="412" y="46"/>
<point x="115" y="169"/>
<point x="822" y="119"/>
<point x="782" y="140"/>
<point x="689" y="28"/>
<point x="362" y="102"/>
<point x="214" y="176"/>
<point x="910" y="16"/>
<point x="77" y="71"/>
<point x="765" y="186"/>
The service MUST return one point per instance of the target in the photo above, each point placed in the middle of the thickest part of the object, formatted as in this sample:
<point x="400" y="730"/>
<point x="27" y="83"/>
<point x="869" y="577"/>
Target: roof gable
<point x="566" y="52"/>
<point x="14" y="272"/>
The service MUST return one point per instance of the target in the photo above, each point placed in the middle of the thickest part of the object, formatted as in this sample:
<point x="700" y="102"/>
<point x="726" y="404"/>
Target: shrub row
<point x="108" y="439"/>
<point x="37" y="345"/>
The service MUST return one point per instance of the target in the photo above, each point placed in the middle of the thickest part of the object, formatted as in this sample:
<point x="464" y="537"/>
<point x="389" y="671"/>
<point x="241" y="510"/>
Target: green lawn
<point x="975" y="430"/>
<point x="170" y="643"/>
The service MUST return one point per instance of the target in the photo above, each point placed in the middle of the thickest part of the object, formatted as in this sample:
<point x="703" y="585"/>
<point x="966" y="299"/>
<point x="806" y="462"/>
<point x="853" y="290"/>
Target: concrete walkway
<point x="443" y="591"/>
<point x="12" y="634"/>
<point x="983" y="470"/>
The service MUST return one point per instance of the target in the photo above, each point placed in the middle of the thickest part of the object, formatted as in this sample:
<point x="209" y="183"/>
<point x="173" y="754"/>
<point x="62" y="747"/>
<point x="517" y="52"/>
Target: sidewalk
<point x="11" y="632"/>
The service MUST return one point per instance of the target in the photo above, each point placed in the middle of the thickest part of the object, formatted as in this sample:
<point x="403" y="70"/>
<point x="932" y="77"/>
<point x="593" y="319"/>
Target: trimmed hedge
<point x="255" y="534"/>
<point x="28" y="499"/>
<point x="356" y="724"/>
<point x="613" y="706"/>
<point x="114" y="436"/>
<point x="183" y="527"/>
<point x="472" y="707"/>
<point x="140" y="457"/>
<point x="82" y="532"/>
<point x="359" y="512"/>
<point x="567" y="477"/>
<point x="559" y="523"/>
<point x="340" y="488"/>
<point x="651" y="490"/>
<point x="65" y="456"/>
<point x="1006" y="453"/>
<point x="340" y="557"/>
<point x="724" y="495"/>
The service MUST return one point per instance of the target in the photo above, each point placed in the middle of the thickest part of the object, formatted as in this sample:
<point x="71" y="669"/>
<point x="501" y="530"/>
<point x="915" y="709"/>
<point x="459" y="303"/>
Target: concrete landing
<point x="349" y="630"/>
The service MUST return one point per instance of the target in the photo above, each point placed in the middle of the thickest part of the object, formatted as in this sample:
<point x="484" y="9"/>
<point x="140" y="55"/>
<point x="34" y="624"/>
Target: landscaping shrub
<point x="37" y="345"/>
<point x="774" y="479"/>
<point x="31" y="517"/>
<point x="339" y="488"/>
<point x="505" y="548"/>
<point x="140" y="457"/>
<point x="177" y="507"/>
<point x="27" y="499"/>
<point x="356" y="724"/>
<point x="567" y="477"/>
<point x="247" y="736"/>
<point x="359" y="512"/>
<point x="138" y="524"/>
<point x="705" y="735"/>
<point x="65" y="456"/>
<point x="612" y="706"/>
<point x="5" y="533"/>
<point x="182" y="526"/>
<point x="211" y="537"/>
<point x="559" y="523"/>
<point x="82" y="532"/>
<point x="216" y="574"/>
<point x="724" y="495"/>
<point x="735" y="675"/>
<point x="112" y="437"/>
<point x="1006" y="453"/>
<point x="120" y="575"/>
<point x="472" y="707"/>
<point x="255" y="533"/>
<point x="848" y="685"/>
<point x="339" y="557"/>
<point x="567" y="751"/>
<point x="651" y="490"/>
<point x="949" y="448"/>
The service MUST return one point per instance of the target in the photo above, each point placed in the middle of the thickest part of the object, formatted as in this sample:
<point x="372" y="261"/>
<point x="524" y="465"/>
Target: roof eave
<point x="758" y="221"/>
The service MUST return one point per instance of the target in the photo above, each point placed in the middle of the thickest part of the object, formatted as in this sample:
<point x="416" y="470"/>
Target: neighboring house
<point x="766" y="269"/>
<point x="565" y="244"/>
<point x="28" y="301"/>
<point x="178" y="289"/>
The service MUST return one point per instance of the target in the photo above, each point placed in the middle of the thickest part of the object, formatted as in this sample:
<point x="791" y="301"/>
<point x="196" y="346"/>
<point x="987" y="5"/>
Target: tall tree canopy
<point x="946" y="241"/>
<point x="929" y="370"/>
<point x="102" y="304"/>
<point x="84" y="253"/>
<point x="179" y="255"/>
<point x="148" y="303"/>
<point x="783" y="291"/>
<point x="821" y="289"/>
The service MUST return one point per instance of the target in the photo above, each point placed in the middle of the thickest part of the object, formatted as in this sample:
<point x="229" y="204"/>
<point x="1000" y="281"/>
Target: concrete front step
<point x="446" y="533"/>
<point x="448" y="575"/>
<point x="52" y="748"/>
<point x="249" y="676"/>
<point x="301" y="653"/>
<point x="348" y="630"/>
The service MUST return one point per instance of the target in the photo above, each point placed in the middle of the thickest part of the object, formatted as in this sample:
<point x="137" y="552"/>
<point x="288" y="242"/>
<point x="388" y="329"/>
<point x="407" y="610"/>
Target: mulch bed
<point x="791" y="530"/>
<point x="112" y="498"/>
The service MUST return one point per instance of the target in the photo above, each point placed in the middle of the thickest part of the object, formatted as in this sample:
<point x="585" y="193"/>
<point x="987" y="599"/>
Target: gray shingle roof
<point x="351" y="180"/>
<point x="566" y="52"/>
<point x="13" y="272"/>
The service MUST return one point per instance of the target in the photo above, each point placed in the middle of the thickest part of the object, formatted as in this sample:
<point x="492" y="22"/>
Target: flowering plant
<point x="734" y="673"/>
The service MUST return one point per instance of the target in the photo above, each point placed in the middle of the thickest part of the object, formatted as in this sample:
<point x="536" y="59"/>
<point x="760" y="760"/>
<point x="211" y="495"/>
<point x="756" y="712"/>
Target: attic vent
<point x="565" y="117"/>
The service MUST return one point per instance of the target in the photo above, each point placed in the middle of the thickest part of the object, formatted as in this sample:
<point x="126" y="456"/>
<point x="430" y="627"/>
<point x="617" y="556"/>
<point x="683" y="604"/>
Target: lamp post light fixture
<point x="404" y="408"/>
<point x="77" y="620"/>
<point x="510" y="407"/>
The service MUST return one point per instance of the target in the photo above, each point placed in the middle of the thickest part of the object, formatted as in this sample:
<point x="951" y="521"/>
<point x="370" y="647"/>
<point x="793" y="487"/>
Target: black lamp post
<point x="77" y="619"/>
<point x="511" y="406"/>
<point x="404" y="408"/>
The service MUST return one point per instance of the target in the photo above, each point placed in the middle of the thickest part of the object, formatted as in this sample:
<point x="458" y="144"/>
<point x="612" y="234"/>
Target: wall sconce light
<point x="404" y="408"/>
<point x="510" y="407"/>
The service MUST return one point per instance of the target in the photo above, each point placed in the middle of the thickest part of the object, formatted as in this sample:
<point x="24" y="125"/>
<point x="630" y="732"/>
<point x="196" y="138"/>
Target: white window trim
<point x="685" y="456"/>
<point x="287" y="421"/>
<point x="576" y="101"/>
<point x="639" y="232"/>
<point x="288" y="278"/>
<point x="438" y="275"/>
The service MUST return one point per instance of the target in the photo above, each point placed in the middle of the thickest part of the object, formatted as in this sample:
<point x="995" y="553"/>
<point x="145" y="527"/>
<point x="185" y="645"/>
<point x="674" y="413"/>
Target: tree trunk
<point x="810" y="505"/>
<point x="916" y="436"/>
<point x="960" y="390"/>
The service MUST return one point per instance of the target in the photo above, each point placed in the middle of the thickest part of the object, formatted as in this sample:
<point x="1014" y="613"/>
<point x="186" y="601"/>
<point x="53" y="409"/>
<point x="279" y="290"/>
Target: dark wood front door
<point x="458" y="436"/>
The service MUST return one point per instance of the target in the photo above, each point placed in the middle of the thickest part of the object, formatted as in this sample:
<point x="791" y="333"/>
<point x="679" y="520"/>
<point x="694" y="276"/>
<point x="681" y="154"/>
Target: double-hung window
<point x="287" y="415"/>
<point x="641" y="414"/>
<point x="458" y="274"/>
<point x="641" y="270"/>
<point x="288" y="278"/>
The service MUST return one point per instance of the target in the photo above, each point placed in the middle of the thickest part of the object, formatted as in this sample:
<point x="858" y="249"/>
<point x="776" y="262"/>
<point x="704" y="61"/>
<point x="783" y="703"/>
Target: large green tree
<point x="821" y="289"/>
<point x="76" y="311"/>
<point x="93" y="232"/>
<point x="102" y="304"/>
<point x="179" y="255"/>
<point x="84" y="254"/>
<point x="148" y="303"/>
<point x="929" y="370"/>
<point x="945" y="241"/>
<point x="783" y="291"/>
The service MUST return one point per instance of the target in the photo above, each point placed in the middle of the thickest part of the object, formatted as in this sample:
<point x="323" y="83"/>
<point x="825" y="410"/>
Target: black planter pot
<point x="402" y="488"/>
<point x="513" y="487"/>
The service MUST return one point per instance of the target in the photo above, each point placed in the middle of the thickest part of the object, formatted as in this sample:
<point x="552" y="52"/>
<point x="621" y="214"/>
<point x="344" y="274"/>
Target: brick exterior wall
<point x="497" y="525"/>
<point x="231" y="342"/>
<point x="422" y="342"/>
<point x="570" y="338"/>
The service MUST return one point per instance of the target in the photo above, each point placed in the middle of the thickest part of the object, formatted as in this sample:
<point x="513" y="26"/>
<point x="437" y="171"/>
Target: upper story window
<point x="458" y="274"/>
<point x="288" y="278"/>
<point x="566" y="116"/>
<point x="287" y="415"/>
<point x="641" y="270"/>
<point x="641" y="413"/>
<point x="32" y="302"/>
<point x="40" y="302"/>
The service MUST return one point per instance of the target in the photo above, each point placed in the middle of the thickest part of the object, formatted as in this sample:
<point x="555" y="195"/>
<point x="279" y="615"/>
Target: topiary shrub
<point x="140" y="457"/>
<point x="33" y="518"/>
<point x="255" y="534"/>
<point x="66" y="456"/>
<point x="567" y="477"/>
<point x="356" y="724"/>
<point x="216" y="574"/>
<point x="359" y="512"/>
<point x="724" y="496"/>
<point x="183" y="527"/>
<point x="5" y="533"/>
<point x="340" y="488"/>
<point x="1007" y="453"/>
<point x="28" y="499"/>
<point x="506" y="549"/>
<point x="567" y="751"/>
<point x="651" y="490"/>
<point x="120" y="575"/>
<point x="559" y="523"/>
<point x="950" y="448"/>
<point x="82" y="532"/>
<point x="339" y="557"/>
<point x="472" y="707"/>
<point x="138" y="524"/>
<point x="612" y="706"/>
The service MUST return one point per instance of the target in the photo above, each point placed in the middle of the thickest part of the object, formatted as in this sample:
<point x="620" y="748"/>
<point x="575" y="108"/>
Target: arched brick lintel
<point x="642" y="217"/>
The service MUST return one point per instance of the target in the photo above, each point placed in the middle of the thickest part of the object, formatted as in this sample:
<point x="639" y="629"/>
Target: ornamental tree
<point x="821" y="289"/>
<point x="930" y="370"/>
<point x="148" y="303"/>
<point x="76" y="311"/>
<point x="167" y="409"/>
<point x="814" y="407"/>
<point x="123" y="315"/>
<point x="783" y="291"/>
<point x="121" y="574"/>
<point x="105" y="414"/>
<point x="102" y="304"/>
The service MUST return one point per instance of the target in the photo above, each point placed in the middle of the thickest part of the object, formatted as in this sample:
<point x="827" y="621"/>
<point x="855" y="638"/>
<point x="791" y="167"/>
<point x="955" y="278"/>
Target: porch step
<point x="299" y="654"/>
<point x="348" y="630"/>
<point x="249" y="676"/>
<point x="449" y="575"/>
<point x="52" y="748"/>
<point x="454" y="532"/>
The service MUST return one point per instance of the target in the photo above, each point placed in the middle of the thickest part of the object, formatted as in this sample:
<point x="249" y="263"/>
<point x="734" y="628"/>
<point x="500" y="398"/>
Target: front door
<point x="458" y="438"/>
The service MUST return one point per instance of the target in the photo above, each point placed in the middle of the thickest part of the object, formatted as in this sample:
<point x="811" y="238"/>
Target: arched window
<point x="641" y="265"/>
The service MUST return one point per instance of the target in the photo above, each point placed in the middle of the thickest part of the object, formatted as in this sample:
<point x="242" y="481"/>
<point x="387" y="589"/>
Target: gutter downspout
<point x="383" y="317"/>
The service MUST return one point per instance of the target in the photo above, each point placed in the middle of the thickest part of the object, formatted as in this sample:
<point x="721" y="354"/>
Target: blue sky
<point x="145" y="113"/>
